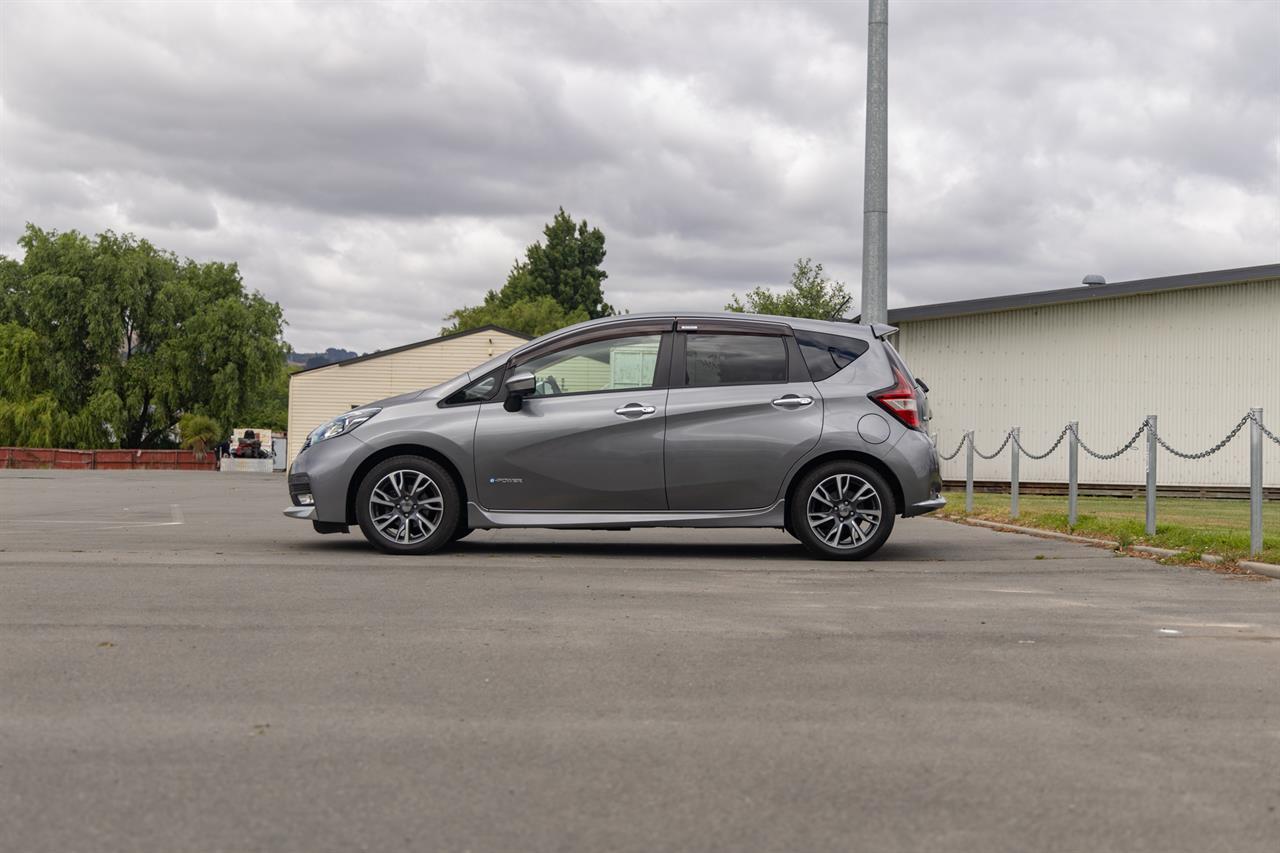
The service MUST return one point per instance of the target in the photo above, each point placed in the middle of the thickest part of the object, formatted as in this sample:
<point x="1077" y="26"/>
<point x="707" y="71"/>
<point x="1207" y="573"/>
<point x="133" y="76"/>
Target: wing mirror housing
<point x="519" y="385"/>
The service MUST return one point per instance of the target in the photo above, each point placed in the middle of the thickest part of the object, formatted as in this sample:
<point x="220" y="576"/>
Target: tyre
<point x="461" y="532"/>
<point x="408" y="505"/>
<point x="842" y="511"/>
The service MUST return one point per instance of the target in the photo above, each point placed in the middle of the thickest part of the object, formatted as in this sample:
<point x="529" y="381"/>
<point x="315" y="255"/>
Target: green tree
<point x="271" y="410"/>
<point x="811" y="294"/>
<point x="531" y="316"/>
<point x="108" y="341"/>
<point x="558" y="283"/>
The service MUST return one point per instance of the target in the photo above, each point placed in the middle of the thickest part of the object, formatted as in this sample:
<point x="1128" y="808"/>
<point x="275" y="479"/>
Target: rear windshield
<point x="827" y="355"/>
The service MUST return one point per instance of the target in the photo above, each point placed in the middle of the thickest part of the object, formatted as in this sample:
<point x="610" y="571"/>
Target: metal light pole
<point x="875" y="181"/>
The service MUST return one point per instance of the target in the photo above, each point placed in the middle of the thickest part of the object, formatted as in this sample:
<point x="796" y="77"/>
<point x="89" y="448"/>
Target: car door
<point x="590" y="436"/>
<point x="741" y="411"/>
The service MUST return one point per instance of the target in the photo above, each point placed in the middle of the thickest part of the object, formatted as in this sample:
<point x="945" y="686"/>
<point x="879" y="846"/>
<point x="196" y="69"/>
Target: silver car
<point x="688" y="420"/>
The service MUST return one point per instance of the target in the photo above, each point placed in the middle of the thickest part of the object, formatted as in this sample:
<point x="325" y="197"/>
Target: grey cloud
<point x="373" y="166"/>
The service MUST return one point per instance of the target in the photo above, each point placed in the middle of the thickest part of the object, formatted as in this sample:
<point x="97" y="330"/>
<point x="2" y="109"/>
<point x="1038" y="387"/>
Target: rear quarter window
<point x="827" y="355"/>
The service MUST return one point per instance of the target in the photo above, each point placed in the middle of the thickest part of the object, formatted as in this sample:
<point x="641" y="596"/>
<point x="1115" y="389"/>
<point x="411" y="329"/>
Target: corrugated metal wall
<point x="315" y="396"/>
<point x="1197" y="358"/>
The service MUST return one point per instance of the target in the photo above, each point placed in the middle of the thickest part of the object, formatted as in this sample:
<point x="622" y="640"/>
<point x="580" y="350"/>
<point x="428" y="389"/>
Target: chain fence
<point x="1258" y="431"/>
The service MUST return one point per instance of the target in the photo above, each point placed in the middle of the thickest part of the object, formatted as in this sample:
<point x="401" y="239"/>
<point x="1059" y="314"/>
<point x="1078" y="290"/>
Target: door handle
<point x="634" y="410"/>
<point x="791" y="401"/>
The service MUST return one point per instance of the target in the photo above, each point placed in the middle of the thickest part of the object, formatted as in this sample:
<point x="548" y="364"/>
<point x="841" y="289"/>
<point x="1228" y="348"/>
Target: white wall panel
<point x="1197" y="358"/>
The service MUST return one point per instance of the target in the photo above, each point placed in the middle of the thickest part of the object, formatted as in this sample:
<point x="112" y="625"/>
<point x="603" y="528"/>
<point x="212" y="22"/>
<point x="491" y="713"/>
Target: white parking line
<point x="175" y="514"/>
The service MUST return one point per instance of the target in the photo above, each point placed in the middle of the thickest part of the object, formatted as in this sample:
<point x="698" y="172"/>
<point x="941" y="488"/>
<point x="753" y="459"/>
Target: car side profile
<point x="661" y="420"/>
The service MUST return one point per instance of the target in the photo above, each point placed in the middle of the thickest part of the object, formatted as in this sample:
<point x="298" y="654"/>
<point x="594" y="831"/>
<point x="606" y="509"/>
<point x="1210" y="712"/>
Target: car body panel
<point x="572" y="453"/>
<point x="772" y="516"/>
<point x="729" y="447"/>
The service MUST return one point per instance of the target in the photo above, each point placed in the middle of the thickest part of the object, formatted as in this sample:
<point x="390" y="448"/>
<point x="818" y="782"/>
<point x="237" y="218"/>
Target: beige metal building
<point x="1198" y="351"/>
<point x="319" y="393"/>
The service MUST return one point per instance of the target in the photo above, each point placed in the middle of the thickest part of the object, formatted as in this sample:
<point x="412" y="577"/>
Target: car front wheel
<point x="408" y="505"/>
<point x="842" y="511"/>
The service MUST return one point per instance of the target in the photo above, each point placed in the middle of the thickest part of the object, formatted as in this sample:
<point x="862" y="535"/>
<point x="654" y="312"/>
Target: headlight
<point x="341" y="424"/>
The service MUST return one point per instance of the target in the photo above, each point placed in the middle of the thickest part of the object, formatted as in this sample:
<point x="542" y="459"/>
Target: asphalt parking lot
<point x="181" y="668"/>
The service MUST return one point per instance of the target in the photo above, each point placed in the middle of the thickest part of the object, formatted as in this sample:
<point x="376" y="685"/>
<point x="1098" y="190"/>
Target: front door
<point x="590" y="436"/>
<point x="741" y="412"/>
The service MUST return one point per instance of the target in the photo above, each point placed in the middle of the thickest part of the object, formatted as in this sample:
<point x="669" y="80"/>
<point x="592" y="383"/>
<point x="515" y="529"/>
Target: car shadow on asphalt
<point x="781" y="550"/>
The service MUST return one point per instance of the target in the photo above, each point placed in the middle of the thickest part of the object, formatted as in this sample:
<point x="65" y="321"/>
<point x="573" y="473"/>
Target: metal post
<point x="1073" y="474"/>
<point x="1255" y="483"/>
<point x="875" y="181"/>
<point x="1151" y="475"/>
<point x="968" y="473"/>
<point x="1013" y="472"/>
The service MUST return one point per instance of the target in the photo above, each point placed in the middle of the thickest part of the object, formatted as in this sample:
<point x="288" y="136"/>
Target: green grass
<point x="1189" y="524"/>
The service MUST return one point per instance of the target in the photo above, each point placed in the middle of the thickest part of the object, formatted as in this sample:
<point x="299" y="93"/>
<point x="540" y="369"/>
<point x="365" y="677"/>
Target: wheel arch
<point x="385" y="453"/>
<point x="878" y="465"/>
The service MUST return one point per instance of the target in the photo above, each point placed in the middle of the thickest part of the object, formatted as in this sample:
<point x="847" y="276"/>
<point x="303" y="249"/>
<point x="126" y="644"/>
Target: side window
<point x="734" y="359"/>
<point x="610" y="365"/>
<point x="827" y="355"/>
<point x="477" y="392"/>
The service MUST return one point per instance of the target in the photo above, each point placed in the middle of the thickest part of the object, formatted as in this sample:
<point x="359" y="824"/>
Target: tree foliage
<point x="557" y="284"/>
<point x="108" y="341"/>
<point x="531" y="316"/>
<point x="811" y="294"/>
<point x="271" y="409"/>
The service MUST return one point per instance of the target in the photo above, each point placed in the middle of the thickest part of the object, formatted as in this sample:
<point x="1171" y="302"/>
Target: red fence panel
<point x="113" y="460"/>
<point x="73" y="459"/>
<point x="107" y="459"/>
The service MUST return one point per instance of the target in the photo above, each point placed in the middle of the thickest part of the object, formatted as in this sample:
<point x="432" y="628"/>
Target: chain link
<point x="1007" y="436"/>
<point x="1212" y="450"/>
<point x="1096" y="455"/>
<point x="1268" y="433"/>
<point x="1030" y="455"/>
<point x="959" y="446"/>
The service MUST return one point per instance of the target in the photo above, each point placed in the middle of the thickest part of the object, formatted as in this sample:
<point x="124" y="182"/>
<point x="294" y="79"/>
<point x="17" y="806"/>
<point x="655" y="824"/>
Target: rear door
<point x="740" y="412"/>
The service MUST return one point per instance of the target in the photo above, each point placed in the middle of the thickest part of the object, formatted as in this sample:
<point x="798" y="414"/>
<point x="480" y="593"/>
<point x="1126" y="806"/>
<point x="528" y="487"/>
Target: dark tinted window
<point x="827" y="355"/>
<point x="477" y="392"/>
<point x="734" y="359"/>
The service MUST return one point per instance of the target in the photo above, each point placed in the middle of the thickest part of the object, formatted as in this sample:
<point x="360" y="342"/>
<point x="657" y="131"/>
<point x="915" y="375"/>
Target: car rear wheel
<point x="842" y="510"/>
<point x="408" y="505"/>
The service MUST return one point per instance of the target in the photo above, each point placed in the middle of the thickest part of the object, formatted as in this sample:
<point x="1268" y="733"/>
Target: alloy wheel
<point x="844" y="511"/>
<point x="406" y="506"/>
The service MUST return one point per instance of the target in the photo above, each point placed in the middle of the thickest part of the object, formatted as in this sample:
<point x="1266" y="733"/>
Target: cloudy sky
<point x="372" y="167"/>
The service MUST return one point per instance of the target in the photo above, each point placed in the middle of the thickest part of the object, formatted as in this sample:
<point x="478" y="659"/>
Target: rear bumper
<point x="925" y="506"/>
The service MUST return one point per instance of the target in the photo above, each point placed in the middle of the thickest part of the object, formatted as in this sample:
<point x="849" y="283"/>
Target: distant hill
<point x="316" y="359"/>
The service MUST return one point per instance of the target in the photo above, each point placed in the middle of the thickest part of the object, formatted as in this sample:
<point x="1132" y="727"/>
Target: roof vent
<point x="1093" y="280"/>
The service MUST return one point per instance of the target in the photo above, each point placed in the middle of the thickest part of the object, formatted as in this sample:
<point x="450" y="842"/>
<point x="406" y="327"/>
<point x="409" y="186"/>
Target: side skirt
<point x="478" y="516"/>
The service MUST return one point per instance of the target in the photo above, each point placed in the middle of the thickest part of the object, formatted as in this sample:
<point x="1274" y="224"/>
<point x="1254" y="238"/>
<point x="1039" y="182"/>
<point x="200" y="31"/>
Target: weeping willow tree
<point x="107" y="342"/>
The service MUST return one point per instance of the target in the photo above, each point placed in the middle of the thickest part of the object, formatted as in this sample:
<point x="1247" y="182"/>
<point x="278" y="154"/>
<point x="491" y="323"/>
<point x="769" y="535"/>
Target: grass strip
<point x="1197" y="526"/>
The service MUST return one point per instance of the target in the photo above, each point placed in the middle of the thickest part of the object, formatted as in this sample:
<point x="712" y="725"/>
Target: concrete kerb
<point x="1258" y="568"/>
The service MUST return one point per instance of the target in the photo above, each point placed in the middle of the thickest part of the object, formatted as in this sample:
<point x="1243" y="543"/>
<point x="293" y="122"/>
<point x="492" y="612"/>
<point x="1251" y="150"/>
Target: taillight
<point x="900" y="400"/>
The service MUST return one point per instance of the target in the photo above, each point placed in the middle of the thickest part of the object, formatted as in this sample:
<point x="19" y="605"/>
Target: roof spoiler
<point x="882" y="331"/>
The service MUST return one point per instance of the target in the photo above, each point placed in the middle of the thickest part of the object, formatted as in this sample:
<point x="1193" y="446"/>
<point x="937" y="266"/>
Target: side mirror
<point x="518" y="385"/>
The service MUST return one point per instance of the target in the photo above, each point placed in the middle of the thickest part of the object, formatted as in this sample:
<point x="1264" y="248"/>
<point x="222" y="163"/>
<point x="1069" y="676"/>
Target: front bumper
<point x="303" y="513"/>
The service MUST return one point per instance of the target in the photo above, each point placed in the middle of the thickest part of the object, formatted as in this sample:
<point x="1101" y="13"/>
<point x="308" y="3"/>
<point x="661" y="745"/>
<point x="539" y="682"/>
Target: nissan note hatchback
<point x="706" y="420"/>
